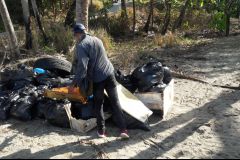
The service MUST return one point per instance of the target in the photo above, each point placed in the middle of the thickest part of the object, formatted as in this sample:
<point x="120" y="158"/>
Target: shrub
<point x="96" y="6"/>
<point x="60" y="38"/>
<point x="218" y="21"/>
<point x="104" y="36"/>
<point x="168" y="40"/>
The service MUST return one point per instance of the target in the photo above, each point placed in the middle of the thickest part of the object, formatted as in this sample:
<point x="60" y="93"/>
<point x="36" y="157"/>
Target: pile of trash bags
<point x="150" y="77"/>
<point x="21" y="95"/>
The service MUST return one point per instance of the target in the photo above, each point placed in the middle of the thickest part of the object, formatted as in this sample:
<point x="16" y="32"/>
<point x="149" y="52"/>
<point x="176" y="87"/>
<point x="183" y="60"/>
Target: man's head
<point x="79" y="29"/>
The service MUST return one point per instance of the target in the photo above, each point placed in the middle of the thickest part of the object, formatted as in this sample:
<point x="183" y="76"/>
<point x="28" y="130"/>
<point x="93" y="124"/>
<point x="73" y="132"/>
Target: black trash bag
<point x="23" y="108"/>
<point x="5" y="107"/>
<point x="52" y="80"/>
<point x="15" y="85"/>
<point x="167" y="75"/>
<point x="56" y="114"/>
<point x="83" y="111"/>
<point x="40" y="90"/>
<point x="7" y="100"/>
<point x="42" y="106"/>
<point x="148" y="75"/>
<point x="158" y="88"/>
<point x="126" y="81"/>
<point x="22" y="72"/>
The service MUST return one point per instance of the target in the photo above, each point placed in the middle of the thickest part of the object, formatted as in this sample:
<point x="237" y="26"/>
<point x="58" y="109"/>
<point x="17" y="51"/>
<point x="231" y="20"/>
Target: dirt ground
<point x="203" y="124"/>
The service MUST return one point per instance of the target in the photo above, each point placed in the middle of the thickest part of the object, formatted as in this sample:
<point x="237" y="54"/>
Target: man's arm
<point x="74" y="63"/>
<point x="81" y="66"/>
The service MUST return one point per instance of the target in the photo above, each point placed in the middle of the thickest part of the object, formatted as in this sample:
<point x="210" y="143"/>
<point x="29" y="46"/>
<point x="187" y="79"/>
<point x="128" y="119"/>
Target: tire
<point x="58" y="66"/>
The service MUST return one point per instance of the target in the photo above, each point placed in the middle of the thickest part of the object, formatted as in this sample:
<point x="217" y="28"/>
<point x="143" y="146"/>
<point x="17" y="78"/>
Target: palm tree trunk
<point x="82" y="12"/>
<point x="26" y="17"/>
<point x="9" y="28"/>
<point x="38" y="19"/>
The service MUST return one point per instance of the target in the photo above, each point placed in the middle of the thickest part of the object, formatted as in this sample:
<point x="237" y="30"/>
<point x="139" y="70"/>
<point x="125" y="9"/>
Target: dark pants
<point x="110" y="85"/>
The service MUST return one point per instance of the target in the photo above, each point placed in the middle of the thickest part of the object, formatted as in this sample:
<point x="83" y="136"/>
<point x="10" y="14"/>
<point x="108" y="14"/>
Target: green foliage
<point x="104" y="36"/>
<point x="219" y="21"/>
<point x="115" y="25"/>
<point x="95" y="7"/>
<point x="61" y="38"/>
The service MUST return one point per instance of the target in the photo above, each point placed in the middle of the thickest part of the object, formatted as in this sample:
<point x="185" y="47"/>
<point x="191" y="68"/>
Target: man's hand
<point x="72" y="87"/>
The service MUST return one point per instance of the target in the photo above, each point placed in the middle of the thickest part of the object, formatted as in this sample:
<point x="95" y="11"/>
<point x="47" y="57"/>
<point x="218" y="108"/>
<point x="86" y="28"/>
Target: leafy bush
<point x="96" y="6"/>
<point x="218" y="21"/>
<point x="60" y="38"/>
<point x="168" y="40"/>
<point x="104" y="36"/>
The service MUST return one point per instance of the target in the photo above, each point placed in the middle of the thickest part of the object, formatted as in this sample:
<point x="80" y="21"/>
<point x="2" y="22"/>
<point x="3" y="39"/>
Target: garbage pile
<point x="150" y="77"/>
<point x="21" y="95"/>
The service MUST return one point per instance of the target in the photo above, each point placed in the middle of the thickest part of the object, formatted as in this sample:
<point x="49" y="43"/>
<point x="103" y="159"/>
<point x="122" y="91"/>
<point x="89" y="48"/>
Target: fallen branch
<point x="152" y="143"/>
<point x="182" y="76"/>
<point x="100" y="153"/>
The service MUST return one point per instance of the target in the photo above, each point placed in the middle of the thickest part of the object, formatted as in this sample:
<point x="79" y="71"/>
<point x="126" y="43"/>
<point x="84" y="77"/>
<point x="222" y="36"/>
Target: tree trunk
<point x="167" y="18"/>
<point x="26" y="17"/>
<point x="9" y="28"/>
<point x="124" y="8"/>
<point x="134" y="17"/>
<point x="146" y="27"/>
<point x="228" y="9"/>
<point x="228" y="24"/>
<point x="82" y="12"/>
<point x="37" y="16"/>
<point x="54" y="9"/>
<point x="69" y="20"/>
<point x="178" y="22"/>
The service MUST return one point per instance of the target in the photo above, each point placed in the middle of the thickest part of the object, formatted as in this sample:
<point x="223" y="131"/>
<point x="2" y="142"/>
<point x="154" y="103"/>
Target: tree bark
<point x="228" y="9"/>
<point x="26" y="18"/>
<point x="69" y="20"/>
<point x="82" y="12"/>
<point x="178" y="22"/>
<point x="9" y="28"/>
<point x="124" y="8"/>
<point x="134" y="17"/>
<point x="146" y="27"/>
<point x="37" y="16"/>
<point x="167" y="18"/>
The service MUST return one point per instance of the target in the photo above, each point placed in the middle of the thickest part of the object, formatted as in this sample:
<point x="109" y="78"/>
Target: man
<point x="91" y="63"/>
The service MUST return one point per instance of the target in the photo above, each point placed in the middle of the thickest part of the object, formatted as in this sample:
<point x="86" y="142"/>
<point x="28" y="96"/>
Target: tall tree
<point x="167" y="18"/>
<point x="147" y="25"/>
<point x="134" y="16"/>
<point x="9" y="28"/>
<point x="38" y="19"/>
<point x="69" y="20"/>
<point x="178" y="22"/>
<point x="26" y="18"/>
<point x="124" y="8"/>
<point x="228" y="9"/>
<point x="82" y="12"/>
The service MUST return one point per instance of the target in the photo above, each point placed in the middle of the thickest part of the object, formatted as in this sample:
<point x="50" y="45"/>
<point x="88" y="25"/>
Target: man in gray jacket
<point x="92" y="63"/>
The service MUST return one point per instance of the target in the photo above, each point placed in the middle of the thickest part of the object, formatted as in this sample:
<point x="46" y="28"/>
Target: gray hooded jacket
<point x="91" y="61"/>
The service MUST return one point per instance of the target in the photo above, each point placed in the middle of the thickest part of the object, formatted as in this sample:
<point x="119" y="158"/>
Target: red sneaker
<point x="124" y="134"/>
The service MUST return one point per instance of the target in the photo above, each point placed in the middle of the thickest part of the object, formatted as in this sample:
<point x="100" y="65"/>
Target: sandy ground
<point x="203" y="124"/>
